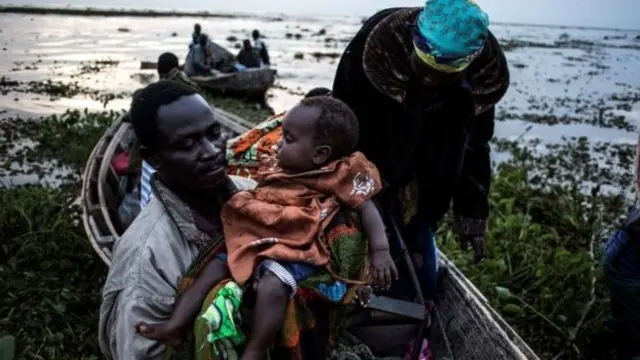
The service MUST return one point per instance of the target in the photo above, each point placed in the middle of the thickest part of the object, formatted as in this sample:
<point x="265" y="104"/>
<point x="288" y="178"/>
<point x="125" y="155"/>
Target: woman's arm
<point x="470" y="198"/>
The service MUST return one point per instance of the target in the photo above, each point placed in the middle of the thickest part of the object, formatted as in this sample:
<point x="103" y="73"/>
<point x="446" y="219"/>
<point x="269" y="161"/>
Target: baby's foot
<point x="164" y="333"/>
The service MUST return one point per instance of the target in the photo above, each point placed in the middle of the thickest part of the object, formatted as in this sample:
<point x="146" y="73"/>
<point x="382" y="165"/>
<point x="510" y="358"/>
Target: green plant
<point x="49" y="277"/>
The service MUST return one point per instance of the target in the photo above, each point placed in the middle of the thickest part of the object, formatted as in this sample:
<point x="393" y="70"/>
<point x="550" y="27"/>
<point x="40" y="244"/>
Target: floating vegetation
<point x="545" y="232"/>
<point x="39" y="146"/>
<point x="58" y="89"/>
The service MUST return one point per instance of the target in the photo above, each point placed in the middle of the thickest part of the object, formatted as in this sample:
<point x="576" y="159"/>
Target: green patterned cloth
<point x="223" y="317"/>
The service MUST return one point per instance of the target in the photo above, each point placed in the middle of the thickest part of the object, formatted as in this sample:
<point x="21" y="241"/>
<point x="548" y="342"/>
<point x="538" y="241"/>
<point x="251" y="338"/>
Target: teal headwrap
<point x="450" y="34"/>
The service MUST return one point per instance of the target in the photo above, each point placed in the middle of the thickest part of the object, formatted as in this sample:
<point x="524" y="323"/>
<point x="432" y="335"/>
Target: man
<point x="197" y="62"/>
<point x="260" y="48"/>
<point x="195" y="37"/>
<point x="169" y="69"/>
<point x="247" y="56"/>
<point x="181" y="137"/>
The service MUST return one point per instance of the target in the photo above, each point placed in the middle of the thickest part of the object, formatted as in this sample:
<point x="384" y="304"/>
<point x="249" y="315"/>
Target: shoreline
<point x="93" y="11"/>
<point x="113" y="12"/>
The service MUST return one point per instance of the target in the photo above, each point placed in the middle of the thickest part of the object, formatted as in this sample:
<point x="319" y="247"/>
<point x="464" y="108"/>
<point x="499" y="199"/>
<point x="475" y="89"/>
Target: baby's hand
<point x="383" y="270"/>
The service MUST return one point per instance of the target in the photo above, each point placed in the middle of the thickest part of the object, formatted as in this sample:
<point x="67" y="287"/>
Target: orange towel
<point x="284" y="218"/>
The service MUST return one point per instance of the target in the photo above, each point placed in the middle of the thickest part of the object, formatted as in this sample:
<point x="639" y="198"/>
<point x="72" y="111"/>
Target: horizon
<point x="614" y="15"/>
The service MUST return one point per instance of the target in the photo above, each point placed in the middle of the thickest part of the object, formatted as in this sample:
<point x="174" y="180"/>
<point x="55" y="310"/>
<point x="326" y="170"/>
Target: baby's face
<point x="297" y="148"/>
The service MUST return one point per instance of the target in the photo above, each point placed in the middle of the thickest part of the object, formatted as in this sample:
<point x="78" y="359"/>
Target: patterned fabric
<point x="255" y="150"/>
<point x="146" y="192"/>
<point x="284" y="218"/>
<point x="450" y="34"/>
<point x="388" y="49"/>
<point x="223" y="319"/>
<point x="349" y="250"/>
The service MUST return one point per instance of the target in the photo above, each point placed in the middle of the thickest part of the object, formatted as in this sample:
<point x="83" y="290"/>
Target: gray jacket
<point x="149" y="261"/>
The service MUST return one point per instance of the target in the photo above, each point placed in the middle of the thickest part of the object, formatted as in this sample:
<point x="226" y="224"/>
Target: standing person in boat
<point x="247" y="56"/>
<point x="260" y="48"/>
<point x="197" y="63"/>
<point x="197" y="30"/>
<point x="180" y="135"/>
<point x="424" y="83"/>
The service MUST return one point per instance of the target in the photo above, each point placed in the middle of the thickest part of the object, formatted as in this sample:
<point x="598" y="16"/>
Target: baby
<point x="275" y="233"/>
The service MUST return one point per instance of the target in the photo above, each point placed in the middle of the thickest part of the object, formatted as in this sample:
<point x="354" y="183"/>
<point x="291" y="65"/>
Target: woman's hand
<point x="477" y="244"/>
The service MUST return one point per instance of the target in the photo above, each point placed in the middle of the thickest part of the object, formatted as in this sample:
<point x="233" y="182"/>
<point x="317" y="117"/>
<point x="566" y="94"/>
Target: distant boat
<point x="464" y="326"/>
<point x="251" y="83"/>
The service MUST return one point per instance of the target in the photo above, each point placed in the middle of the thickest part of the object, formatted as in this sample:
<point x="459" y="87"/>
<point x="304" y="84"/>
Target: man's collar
<point x="181" y="214"/>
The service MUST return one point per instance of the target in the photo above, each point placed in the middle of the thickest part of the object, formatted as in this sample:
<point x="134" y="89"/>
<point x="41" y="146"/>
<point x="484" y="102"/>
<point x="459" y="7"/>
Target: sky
<point x="623" y="14"/>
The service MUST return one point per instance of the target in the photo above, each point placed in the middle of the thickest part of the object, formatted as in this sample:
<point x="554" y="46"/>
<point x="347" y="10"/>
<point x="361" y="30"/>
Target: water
<point x="611" y="14"/>
<point x="584" y="75"/>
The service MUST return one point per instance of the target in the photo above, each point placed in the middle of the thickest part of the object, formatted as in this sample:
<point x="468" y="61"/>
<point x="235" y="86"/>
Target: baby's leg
<point x="278" y="282"/>
<point x="188" y="304"/>
<point x="271" y="301"/>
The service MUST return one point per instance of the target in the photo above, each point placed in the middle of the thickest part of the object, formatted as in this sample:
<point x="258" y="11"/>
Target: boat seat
<point x="386" y="323"/>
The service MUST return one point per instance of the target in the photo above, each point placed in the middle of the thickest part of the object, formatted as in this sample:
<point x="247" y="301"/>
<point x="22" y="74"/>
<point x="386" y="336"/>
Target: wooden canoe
<point x="465" y="327"/>
<point x="249" y="84"/>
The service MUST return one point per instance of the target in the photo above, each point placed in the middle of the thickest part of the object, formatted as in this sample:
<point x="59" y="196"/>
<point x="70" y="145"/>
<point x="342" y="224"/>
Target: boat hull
<point x="251" y="84"/>
<point x="464" y="325"/>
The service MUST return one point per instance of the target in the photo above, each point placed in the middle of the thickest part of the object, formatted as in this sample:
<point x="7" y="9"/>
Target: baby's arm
<point x="188" y="305"/>
<point x="383" y="270"/>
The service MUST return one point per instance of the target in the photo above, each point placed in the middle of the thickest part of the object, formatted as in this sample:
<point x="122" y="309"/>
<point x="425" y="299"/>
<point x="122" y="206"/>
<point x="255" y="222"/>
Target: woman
<point x="424" y="83"/>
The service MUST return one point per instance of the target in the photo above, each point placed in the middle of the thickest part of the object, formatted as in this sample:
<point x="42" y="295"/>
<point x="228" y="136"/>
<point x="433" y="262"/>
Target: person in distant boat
<point x="424" y="83"/>
<point x="247" y="56"/>
<point x="195" y="37"/>
<point x="169" y="69"/>
<point x="182" y="138"/>
<point x="260" y="48"/>
<point x="167" y="62"/>
<point x="198" y="61"/>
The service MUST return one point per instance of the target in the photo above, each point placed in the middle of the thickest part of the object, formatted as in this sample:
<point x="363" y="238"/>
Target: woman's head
<point x="246" y="44"/>
<point x="180" y="135"/>
<point x="447" y="37"/>
<point x="317" y="130"/>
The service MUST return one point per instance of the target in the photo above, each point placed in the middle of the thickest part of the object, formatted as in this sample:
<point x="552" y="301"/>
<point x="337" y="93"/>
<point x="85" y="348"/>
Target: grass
<point x="543" y="243"/>
<point x="49" y="276"/>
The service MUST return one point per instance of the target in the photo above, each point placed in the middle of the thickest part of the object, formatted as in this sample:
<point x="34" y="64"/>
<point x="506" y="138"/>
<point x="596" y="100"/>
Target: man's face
<point x="191" y="150"/>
